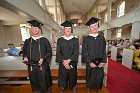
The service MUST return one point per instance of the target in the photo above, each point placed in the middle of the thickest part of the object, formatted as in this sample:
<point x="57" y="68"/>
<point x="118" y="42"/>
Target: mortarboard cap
<point x="67" y="24"/>
<point x="92" y="20"/>
<point x="35" y="23"/>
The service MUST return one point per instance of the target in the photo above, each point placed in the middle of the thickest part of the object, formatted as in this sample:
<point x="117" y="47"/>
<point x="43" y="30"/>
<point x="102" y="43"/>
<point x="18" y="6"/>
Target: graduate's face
<point x="67" y="31"/>
<point x="35" y="30"/>
<point x="94" y="28"/>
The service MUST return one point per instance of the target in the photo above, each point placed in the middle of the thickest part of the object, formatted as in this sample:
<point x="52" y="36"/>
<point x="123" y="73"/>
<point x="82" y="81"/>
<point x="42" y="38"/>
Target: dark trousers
<point x="67" y="77"/>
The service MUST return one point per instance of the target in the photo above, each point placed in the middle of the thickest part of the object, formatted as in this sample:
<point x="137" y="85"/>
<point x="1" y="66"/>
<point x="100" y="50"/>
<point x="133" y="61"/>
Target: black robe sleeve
<point x="104" y="53"/>
<point x="59" y="57"/>
<point x="85" y="56"/>
<point x="48" y="55"/>
<point x="25" y="47"/>
<point x="75" y="54"/>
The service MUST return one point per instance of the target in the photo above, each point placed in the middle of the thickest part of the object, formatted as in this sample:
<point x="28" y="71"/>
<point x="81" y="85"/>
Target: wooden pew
<point x="81" y="73"/>
<point x="16" y="69"/>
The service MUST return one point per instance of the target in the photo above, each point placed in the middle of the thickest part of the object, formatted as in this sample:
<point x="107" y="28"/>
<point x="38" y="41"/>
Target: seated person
<point x="136" y="48"/>
<point x="108" y="47"/>
<point x="127" y="43"/>
<point x="20" y="53"/>
<point x="1" y="50"/>
<point x="12" y="50"/>
<point x="120" y="47"/>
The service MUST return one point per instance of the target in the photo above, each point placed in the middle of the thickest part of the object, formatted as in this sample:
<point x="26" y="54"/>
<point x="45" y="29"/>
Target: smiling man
<point x="67" y="57"/>
<point x="37" y="49"/>
<point x="94" y="55"/>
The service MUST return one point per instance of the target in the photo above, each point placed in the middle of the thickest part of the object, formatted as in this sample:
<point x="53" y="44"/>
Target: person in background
<point x="1" y="50"/>
<point x="114" y="42"/>
<point x="120" y="47"/>
<point x="37" y="49"/>
<point x="127" y="43"/>
<point x="21" y="51"/>
<point x="108" y="47"/>
<point x="94" y="53"/>
<point x="120" y="44"/>
<point x="12" y="50"/>
<point x="136" y="48"/>
<point x="67" y="57"/>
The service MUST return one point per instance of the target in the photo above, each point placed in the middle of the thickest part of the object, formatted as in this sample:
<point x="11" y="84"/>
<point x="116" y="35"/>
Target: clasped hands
<point x="92" y="65"/>
<point x="66" y="64"/>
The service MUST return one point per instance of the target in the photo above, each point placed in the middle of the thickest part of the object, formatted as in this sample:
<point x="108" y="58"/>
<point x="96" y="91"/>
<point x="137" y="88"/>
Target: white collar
<point x="35" y="38"/>
<point x="68" y="38"/>
<point x="94" y="35"/>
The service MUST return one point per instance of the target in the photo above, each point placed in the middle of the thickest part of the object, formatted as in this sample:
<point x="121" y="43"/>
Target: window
<point x="121" y="9"/>
<point x="24" y="32"/>
<point x="119" y="33"/>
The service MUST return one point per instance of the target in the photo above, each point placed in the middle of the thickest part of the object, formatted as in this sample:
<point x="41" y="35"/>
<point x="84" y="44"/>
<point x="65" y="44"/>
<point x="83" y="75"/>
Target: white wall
<point x="33" y="10"/>
<point x="2" y="37"/>
<point x="10" y="34"/>
<point x="13" y="35"/>
<point x="132" y="17"/>
<point x="135" y="33"/>
<point x="107" y="34"/>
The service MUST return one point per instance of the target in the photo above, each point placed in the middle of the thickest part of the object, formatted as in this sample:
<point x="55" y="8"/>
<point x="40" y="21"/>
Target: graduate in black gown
<point x="67" y="57"/>
<point x="94" y="55"/>
<point x="38" y="49"/>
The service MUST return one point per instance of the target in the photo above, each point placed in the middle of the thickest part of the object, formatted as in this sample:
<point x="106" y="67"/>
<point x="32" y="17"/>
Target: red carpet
<point x="121" y="79"/>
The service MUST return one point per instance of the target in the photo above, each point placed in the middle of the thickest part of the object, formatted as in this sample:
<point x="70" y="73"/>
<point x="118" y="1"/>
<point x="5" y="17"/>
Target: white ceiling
<point x="81" y="7"/>
<point x="8" y="17"/>
<point x="72" y="8"/>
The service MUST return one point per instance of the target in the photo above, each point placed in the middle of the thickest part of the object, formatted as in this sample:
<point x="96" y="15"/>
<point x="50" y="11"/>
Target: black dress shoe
<point x="74" y="90"/>
<point x="89" y="90"/>
<point x="100" y="91"/>
<point x="62" y="90"/>
<point x="49" y="90"/>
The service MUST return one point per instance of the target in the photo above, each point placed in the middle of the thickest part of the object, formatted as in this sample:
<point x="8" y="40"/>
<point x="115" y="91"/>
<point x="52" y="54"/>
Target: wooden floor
<point x="81" y="88"/>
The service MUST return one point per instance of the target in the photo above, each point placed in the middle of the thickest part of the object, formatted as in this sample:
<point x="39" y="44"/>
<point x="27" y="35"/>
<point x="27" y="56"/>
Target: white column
<point x="97" y="14"/>
<point x="139" y="3"/>
<point x="135" y="32"/>
<point x="55" y="10"/>
<point x="42" y="4"/>
<point x="3" y="43"/>
<point x="62" y="16"/>
<point x="106" y="33"/>
<point x="109" y="10"/>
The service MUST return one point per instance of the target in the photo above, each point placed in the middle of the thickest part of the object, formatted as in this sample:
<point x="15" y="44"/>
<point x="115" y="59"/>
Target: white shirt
<point x="35" y="38"/>
<point x="94" y="35"/>
<point x="68" y="38"/>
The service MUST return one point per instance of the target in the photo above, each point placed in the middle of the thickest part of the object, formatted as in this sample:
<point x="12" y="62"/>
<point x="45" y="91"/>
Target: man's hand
<point x="101" y="65"/>
<point x="66" y="64"/>
<point x="40" y="61"/>
<point x="92" y="65"/>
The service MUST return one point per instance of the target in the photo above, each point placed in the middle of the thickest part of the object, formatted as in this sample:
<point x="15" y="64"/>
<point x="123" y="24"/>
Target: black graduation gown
<point x="67" y="49"/>
<point x="93" y="50"/>
<point x="46" y="54"/>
